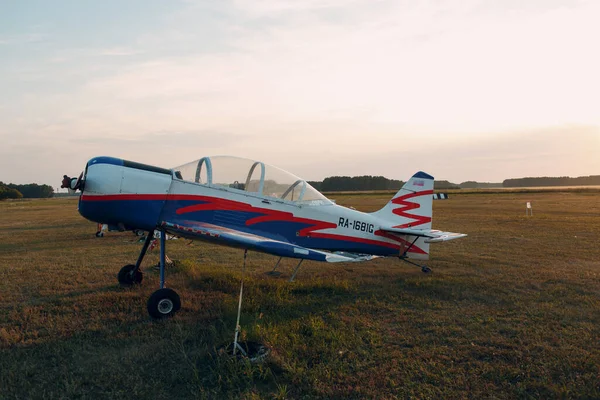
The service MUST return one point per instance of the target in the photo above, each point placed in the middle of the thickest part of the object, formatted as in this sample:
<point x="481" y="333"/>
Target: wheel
<point x="139" y="232"/>
<point x="163" y="303"/>
<point x="128" y="276"/>
<point x="426" y="270"/>
<point x="99" y="234"/>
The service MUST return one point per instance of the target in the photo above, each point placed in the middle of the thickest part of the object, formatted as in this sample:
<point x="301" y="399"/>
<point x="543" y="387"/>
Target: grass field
<point x="511" y="311"/>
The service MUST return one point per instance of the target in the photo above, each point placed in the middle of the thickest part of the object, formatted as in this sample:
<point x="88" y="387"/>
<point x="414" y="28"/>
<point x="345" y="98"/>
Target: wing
<point x="235" y="238"/>
<point x="432" y="235"/>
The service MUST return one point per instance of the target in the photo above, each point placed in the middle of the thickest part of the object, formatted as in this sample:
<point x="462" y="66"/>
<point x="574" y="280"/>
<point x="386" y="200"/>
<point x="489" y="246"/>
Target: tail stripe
<point x="408" y="206"/>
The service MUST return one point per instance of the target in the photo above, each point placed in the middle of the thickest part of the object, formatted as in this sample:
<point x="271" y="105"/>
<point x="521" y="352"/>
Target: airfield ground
<point x="511" y="311"/>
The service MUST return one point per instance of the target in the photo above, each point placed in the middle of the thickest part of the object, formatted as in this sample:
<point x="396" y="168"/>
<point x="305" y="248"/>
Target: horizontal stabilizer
<point x="432" y="235"/>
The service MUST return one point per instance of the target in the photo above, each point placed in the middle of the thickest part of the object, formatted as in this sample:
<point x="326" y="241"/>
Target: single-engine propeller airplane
<point x="252" y="206"/>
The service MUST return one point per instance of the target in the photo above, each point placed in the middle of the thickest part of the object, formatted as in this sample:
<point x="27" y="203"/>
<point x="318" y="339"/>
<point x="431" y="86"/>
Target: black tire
<point x="128" y="277"/>
<point x="163" y="303"/>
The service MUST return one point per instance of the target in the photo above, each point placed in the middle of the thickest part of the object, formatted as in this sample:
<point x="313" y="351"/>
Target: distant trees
<point x="358" y="183"/>
<point x="28" y="191"/>
<point x="368" y="182"/>
<point x="553" y="181"/>
<point x="9" y="193"/>
<point x="480" y="185"/>
<point x="469" y="185"/>
<point x="315" y="184"/>
<point x="445" y="185"/>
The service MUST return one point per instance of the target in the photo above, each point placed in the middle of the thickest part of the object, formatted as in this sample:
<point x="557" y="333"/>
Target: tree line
<point x="480" y="185"/>
<point x="553" y="181"/>
<point x="367" y="183"/>
<point x="352" y="183"/>
<point x="28" y="191"/>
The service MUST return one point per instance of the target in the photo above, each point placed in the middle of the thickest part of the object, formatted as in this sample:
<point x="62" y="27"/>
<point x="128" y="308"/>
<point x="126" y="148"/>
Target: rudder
<point x="411" y="207"/>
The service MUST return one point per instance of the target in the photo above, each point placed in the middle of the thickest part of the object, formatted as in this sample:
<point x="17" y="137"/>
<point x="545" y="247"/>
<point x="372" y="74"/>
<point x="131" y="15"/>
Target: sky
<point x="463" y="89"/>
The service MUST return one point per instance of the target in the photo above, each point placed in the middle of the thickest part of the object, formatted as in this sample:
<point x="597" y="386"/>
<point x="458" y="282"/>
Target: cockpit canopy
<point x="252" y="177"/>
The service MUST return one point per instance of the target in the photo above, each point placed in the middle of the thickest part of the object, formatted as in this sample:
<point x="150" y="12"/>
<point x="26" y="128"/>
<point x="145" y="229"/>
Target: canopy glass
<point x="251" y="176"/>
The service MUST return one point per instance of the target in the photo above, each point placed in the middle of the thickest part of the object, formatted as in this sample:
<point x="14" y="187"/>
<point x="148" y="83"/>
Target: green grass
<point x="511" y="311"/>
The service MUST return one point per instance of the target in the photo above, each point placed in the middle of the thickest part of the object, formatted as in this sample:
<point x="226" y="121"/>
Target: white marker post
<point x="529" y="209"/>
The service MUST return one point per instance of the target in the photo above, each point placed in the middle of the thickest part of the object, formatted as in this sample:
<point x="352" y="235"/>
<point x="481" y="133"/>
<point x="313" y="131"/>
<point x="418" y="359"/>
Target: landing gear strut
<point x="274" y="272"/>
<point x="404" y="257"/>
<point x="277" y="273"/>
<point x="130" y="274"/>
<point x="164" y="302"/>
<point x="296" y="270"/>
<point x="425" y="269"/>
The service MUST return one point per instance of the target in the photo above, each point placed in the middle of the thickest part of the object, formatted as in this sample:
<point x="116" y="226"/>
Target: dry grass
<point x="511" y="311"/>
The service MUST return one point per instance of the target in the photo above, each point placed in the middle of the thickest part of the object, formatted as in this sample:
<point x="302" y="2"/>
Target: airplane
<point x="253" y="206"/>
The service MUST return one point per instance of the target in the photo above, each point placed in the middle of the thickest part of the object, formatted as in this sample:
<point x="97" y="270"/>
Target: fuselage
<point x="138" y="196"/>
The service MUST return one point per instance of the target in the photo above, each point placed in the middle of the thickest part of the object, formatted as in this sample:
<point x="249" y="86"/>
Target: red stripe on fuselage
<point x="213" y="203"/>
<point x="270" y="215"/>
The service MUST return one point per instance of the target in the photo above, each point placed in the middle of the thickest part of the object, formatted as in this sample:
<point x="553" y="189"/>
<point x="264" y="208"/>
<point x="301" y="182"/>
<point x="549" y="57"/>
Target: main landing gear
<point x="130" y="274"/>
<point x="164" y="302"/>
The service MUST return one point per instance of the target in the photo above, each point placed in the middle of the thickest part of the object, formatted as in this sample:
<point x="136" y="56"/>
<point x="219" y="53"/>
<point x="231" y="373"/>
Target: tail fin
<point x="411" y="206"/>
